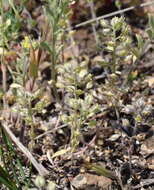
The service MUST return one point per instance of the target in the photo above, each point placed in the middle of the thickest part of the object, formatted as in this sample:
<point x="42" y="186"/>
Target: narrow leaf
<point x="100" y="170"/>
<point x="33" y="67"/>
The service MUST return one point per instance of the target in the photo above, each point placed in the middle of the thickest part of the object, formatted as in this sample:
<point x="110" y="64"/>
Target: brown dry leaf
<point x="91" y="43"/>
<point x="81" y="181"/>
<point x="71" y="52"/>
<point x="150" y="81"/>
<point x="150" y="162"/>
<point x="84" y="40"/>
<point x="81" y="34"/>
<point x="148" y="146"/>
<point x="29" y="84"/>
<point x="139" y="31"/>
<point x="147" y="149"/>
<point x="151" y="100"/>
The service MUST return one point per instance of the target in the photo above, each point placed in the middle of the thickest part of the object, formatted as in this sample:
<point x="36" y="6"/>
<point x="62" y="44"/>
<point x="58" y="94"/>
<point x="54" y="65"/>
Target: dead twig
<point x="110" y="15"/>
<point x="143" y="183"/>
<point x="50" y="131"/>
<point x="41" y="170"/>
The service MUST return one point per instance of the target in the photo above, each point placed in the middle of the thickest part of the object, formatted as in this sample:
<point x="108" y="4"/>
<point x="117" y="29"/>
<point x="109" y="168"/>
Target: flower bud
<point x="39" y="181"/>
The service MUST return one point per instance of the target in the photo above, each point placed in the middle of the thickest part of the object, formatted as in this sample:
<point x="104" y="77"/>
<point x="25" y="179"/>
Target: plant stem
<point x="53" y="67"/>
<point x="3" y="66"/>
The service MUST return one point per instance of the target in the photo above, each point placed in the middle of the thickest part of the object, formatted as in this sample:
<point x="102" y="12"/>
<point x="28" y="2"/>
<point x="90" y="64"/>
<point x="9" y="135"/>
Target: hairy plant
<point x="41" y="184"/>
<point x="56" y="13"/>
<point x="122" y="52"/>
<point x="77" y="82"/>
<point x="117" y="41"/>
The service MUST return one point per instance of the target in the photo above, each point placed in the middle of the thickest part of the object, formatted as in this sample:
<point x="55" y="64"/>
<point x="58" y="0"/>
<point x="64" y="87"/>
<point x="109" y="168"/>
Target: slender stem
<point x="54" y="61"/>
<point x="32" y="132"/>
<point x="91" y="4"/>
<point x="4" y="76"/>
<point x="76" y="124"/>
<point x="114" y="53"/>
<point x="3" y="66"/>
<point x="54" y="73"/>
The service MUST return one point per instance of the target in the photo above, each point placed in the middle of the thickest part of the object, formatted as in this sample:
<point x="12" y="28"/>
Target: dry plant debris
<point x="77" y="106"/>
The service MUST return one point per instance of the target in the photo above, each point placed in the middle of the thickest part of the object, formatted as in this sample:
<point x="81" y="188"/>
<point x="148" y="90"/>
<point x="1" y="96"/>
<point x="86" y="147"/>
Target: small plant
<point x="150" y="29"/>
<point x="56" y="21"/>
<point x="117" y="41"/>
<point x="41" y="184"/>
<point x="12" y="169"/>
<point x="122" y="53"/>
<point x="72" y="97"/>
<point x="6" y="28"/>
<point x="24" y="87"/>
<point x="140" y="111"/>
<point x="77" y="82"/>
